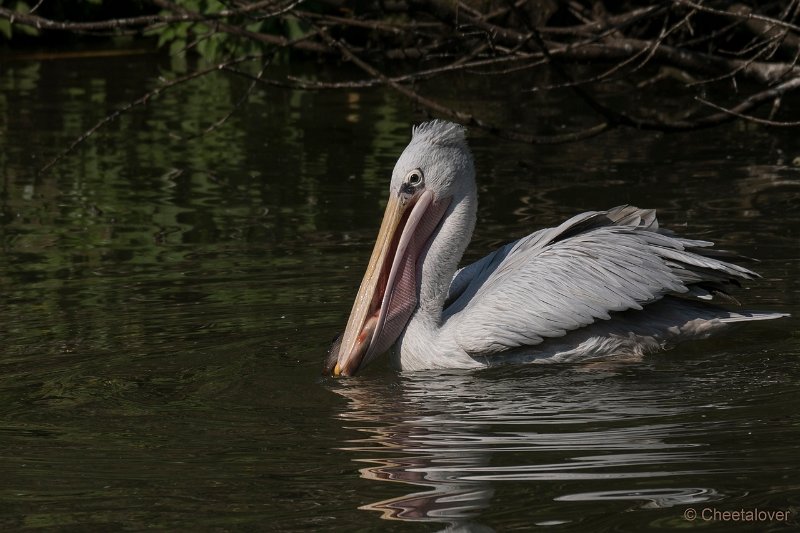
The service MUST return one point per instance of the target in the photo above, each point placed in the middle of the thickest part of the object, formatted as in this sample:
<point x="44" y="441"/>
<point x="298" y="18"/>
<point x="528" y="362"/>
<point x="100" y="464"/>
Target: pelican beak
<point x="388" y="293"/>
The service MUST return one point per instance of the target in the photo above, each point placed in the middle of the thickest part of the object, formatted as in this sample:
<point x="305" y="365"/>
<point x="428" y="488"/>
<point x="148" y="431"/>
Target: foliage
<point x="715" y="62"/>
<point x="7" y="29"/>
<point x="203" y="38"/>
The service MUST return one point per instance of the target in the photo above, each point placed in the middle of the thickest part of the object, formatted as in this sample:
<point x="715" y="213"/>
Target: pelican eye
<point x="414" y="178"/>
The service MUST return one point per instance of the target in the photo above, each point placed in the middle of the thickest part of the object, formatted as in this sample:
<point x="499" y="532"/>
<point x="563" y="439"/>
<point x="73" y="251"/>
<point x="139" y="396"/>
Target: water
<point x="167" y="301"/>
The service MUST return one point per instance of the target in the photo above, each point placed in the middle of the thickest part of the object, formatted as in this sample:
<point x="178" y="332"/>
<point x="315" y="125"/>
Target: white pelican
<point x="602" y="284"/>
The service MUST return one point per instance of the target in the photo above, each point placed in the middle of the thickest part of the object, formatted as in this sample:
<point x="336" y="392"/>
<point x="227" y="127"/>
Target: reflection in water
<point x="656" y="497"/>
<point x="462" y="435"/>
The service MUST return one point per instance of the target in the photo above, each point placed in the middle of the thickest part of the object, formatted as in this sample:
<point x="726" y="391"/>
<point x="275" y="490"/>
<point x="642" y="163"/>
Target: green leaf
<point x="167" y="35"/>
<point x="27" y="30"/>
<point x="5" y="28"/>
<point x="22" y="7"/>
<point x="213" y="6"/>
<point x="207" y="48"/>
<point x="177" y="46"/>
<point x="293" y="28"/>
<point x="182" y="29"/>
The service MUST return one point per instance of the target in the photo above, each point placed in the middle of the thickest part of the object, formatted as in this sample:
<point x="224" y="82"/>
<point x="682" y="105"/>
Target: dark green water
<point x="166" y="304"/>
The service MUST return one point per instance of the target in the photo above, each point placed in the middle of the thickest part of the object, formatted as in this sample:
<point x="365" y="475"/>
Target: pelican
<point x="602" y="284"/>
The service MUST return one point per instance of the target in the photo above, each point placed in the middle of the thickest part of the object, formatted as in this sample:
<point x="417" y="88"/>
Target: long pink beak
<point x="388" y="294"/>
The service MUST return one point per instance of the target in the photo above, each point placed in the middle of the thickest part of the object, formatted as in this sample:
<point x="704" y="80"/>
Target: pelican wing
<point x="561" y="279"/>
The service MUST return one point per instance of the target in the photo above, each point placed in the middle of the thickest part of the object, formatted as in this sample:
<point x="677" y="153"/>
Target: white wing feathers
<point x="560" y="279"/>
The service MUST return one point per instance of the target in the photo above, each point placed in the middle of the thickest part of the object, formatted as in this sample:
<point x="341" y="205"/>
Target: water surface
<point x="167" y="301"/>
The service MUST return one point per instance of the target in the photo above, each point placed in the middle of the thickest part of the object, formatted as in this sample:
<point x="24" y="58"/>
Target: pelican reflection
<point x="545" y="439"/>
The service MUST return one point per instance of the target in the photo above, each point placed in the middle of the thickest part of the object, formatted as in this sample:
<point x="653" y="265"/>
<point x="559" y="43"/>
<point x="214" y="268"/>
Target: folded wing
<point x="561" y="279"/>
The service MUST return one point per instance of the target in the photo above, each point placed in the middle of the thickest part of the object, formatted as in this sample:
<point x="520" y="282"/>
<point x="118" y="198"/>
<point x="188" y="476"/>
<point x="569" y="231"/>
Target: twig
<point x="34" y="8"/>
<point x="29" y="19"/>
<point x="457" y="65"/>
<point x="131" y="105"/>
<point x="750" y="118"/>
<point x="726" y="115"/>
<point x="462" y="116"/>
<point x="740" y="15"/>
<point x="41" y="23"/>
<point x="242" y="99"/>
<point x="302" y="43"/>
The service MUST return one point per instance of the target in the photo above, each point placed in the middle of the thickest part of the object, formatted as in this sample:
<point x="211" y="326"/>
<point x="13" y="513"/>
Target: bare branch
<point x="743" y="14"/>
<point x="461" y="116"/>
<point x="35" y="21"/>
<point x="748" y="56"/>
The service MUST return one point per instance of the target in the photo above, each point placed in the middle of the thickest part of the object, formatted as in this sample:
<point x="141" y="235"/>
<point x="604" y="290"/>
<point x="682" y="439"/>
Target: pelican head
<point x="433" y="174"/>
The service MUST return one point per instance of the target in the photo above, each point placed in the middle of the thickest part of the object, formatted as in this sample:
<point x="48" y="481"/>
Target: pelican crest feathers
<point x="439" y="132"/>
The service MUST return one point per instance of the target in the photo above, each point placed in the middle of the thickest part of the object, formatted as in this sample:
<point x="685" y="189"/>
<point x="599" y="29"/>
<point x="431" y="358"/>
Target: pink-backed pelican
<point x="602" y="284"/>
